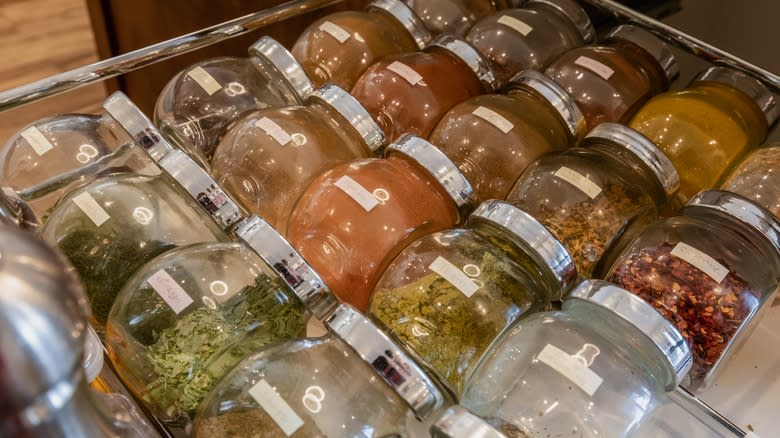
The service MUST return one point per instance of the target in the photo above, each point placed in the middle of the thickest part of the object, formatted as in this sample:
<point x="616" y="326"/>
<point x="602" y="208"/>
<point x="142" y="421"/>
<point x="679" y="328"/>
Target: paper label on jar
<point x="579" y="180"/>
<point x="357" y="192"/>
<point x="169" y="290"/>
<point x="595" y="66"/>
<point x="274" y="130"/>
<point x="205" y="80"/>
<point x="405" y="72"/>
<point x="276" y="407"/>
<point x="515" y="24"/>
<point x="700" y="260"/>
<point x="494" y="119"/>
<point x="335" y="31"/>
<point x="455" y="276"/>
<point x="37" y="141"/>
<point x="91" y="208"/>
<point x="573" y="367"/>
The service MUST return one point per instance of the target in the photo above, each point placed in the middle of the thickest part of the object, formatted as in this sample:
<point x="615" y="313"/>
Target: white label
<point x="274" y="130"/>
<point x="205" y="80"/>
<point x="357" y="192"/>
<point x="405" y="72"/>
<point x="454" y="275"/>
<point x="37" y="141"/>
<point x="579" y="180"/>
<point x="595" y="66"/>
<point x="335" y="31"/>
<point x="494" y="119"/>
<point x="702" y="261"/>
<point x="515" y="24"/>
<point x="91" y="208"/>
<point x="276" y="407"/>
<point x="573" y="367"/>
<point x="170" y="291"/>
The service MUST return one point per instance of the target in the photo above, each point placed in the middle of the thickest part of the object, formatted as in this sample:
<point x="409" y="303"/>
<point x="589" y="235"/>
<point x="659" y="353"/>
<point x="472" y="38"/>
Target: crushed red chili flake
<point x="708" y="314"/>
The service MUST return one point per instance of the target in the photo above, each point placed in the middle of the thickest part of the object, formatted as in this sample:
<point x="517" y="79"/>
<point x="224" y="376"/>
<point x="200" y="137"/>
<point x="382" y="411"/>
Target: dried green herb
<point x="252" y="423"/>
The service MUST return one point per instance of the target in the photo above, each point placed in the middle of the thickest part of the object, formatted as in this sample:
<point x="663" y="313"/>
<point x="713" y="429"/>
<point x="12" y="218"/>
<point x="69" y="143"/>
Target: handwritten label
<point x="515" y="24"/>
<point x="357" y="192"/>
<point x="405" y="72"/>
<point x="595" y="66"/>
<point x="494" y="119"/>
<point x="455" y="276"/>
<point x="335" y="31"/>
<point x="274" y="130"/>
<point x="573" y="367"/>
<point x="205" y="80"/>
<point x="579" y="181"/>
<point x="276" y="407"/>
<point x="700" y="260"/>
<point x="170" y="291"/>
<point x="91" y="208"/>
<point x="37" y="141"/>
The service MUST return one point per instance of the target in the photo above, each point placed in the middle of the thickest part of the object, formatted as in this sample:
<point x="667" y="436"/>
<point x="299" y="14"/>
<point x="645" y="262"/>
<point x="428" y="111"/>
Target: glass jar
<point x="530" y="37"/>
<point x="611" y="80"/>
<point x="198" y="105"/>
<point x="493" y="138"/>
<point x="338" y="48"/>
<point x="352" y="382"/>
<point x="454" y="16"/>
<point x="450" y="293"/>
<point x="594" y="369"/>
<point x="409" y="93"/>
<point x="706" y="127"/>
<point x="270" y="156"/>
<point x="458" y="422"/>
<point x="710" y="271"/>
<point x="353" y="219"/>
<point x="592" y="196"/>
<point x="757" y="177"/>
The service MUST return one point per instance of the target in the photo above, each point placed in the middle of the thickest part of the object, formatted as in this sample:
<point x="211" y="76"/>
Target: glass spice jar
<point x="270" y="156"/>
<point x="353" y="219"/>
<point x="493" y="138"/>
<point x="710" y="271"/>
<point x="449" y="294"/>
<point x="757" y="177"/>
<point x="198" y="105"/>
<point x="338" y="48"/>
<point x="594" y="196"/>
<point x="596" y="368"/>
<point x="455" y="16"/>
<point x="409" y="93"/>
<point x="352" y="382"/>
<point x="611" y="80"/>
<point x="458" y="422"/>
<point x="707" y="126"/>
<point x="531" y="37"/>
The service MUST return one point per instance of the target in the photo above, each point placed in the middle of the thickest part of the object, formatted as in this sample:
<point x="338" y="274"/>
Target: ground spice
<point x="507" y="428"/>
<point x="252" y="423"/>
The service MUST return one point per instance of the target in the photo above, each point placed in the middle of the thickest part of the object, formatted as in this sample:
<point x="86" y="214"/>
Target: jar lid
<point x="468" y="54"/>
<point x="289" y="264"/>
<point x="556" y="95"/>
<point x="283" y="61"/>
<point x="651" y="44"/>
<point x="739" y="208"/>
<point x="389" y="362"/>
<point x="357" y="116"/>
<point x="574" y="13"/>
<point x="644" y="317"/>
<point x="536" y="236"/>
<point x="93" y="355"/>
<point x="137" y="125"/>
<point x="457" y="422"/>
<point x="408" y="19"/>
<point x="747" y="84"/>
<point x="437" y="164"/>
<point x="641" y="147"/>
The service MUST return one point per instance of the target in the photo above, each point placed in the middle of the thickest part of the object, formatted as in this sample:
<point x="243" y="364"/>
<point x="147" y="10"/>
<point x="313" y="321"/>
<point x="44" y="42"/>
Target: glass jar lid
<point x="437" y="164"/>
<point x="289" y="264"/>
<point x="641" y="147"/>
<point x="354" y="113"/>
<point x="408" y="19"/>
<point x="457" y="422"/>
<point x="644" y="317"/>
<point x="389" y="362"/>
<point x="561" y="100"/>
<point x="137" y="125"/>
<point x="747" y="84"/>
<point x="651" y="44"/>
<point x="468" y="54"/>
<point x="574" y="13"/>
<point x="535" y="235"/>
<point x="283" y="61"/>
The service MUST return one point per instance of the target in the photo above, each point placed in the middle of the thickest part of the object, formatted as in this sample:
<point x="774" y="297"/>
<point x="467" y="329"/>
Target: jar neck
<point x="525" y="92"/>
<point x="340" y="124"/>
<point x="640" y="57"/>
<point x="626" y="164"/>
<point x="421" y="172"/>
<point x="389" y="20"/>
<point x="271" y="74"/>
<point x="744" y="109"/>
<point x="455" y="60"/>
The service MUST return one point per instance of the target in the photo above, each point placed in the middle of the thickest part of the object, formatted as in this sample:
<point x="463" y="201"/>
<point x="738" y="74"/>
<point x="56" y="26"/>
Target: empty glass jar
<point x="454" y="16"/>
<point x="337" y="48"/>
<point x="757" y="177"/>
